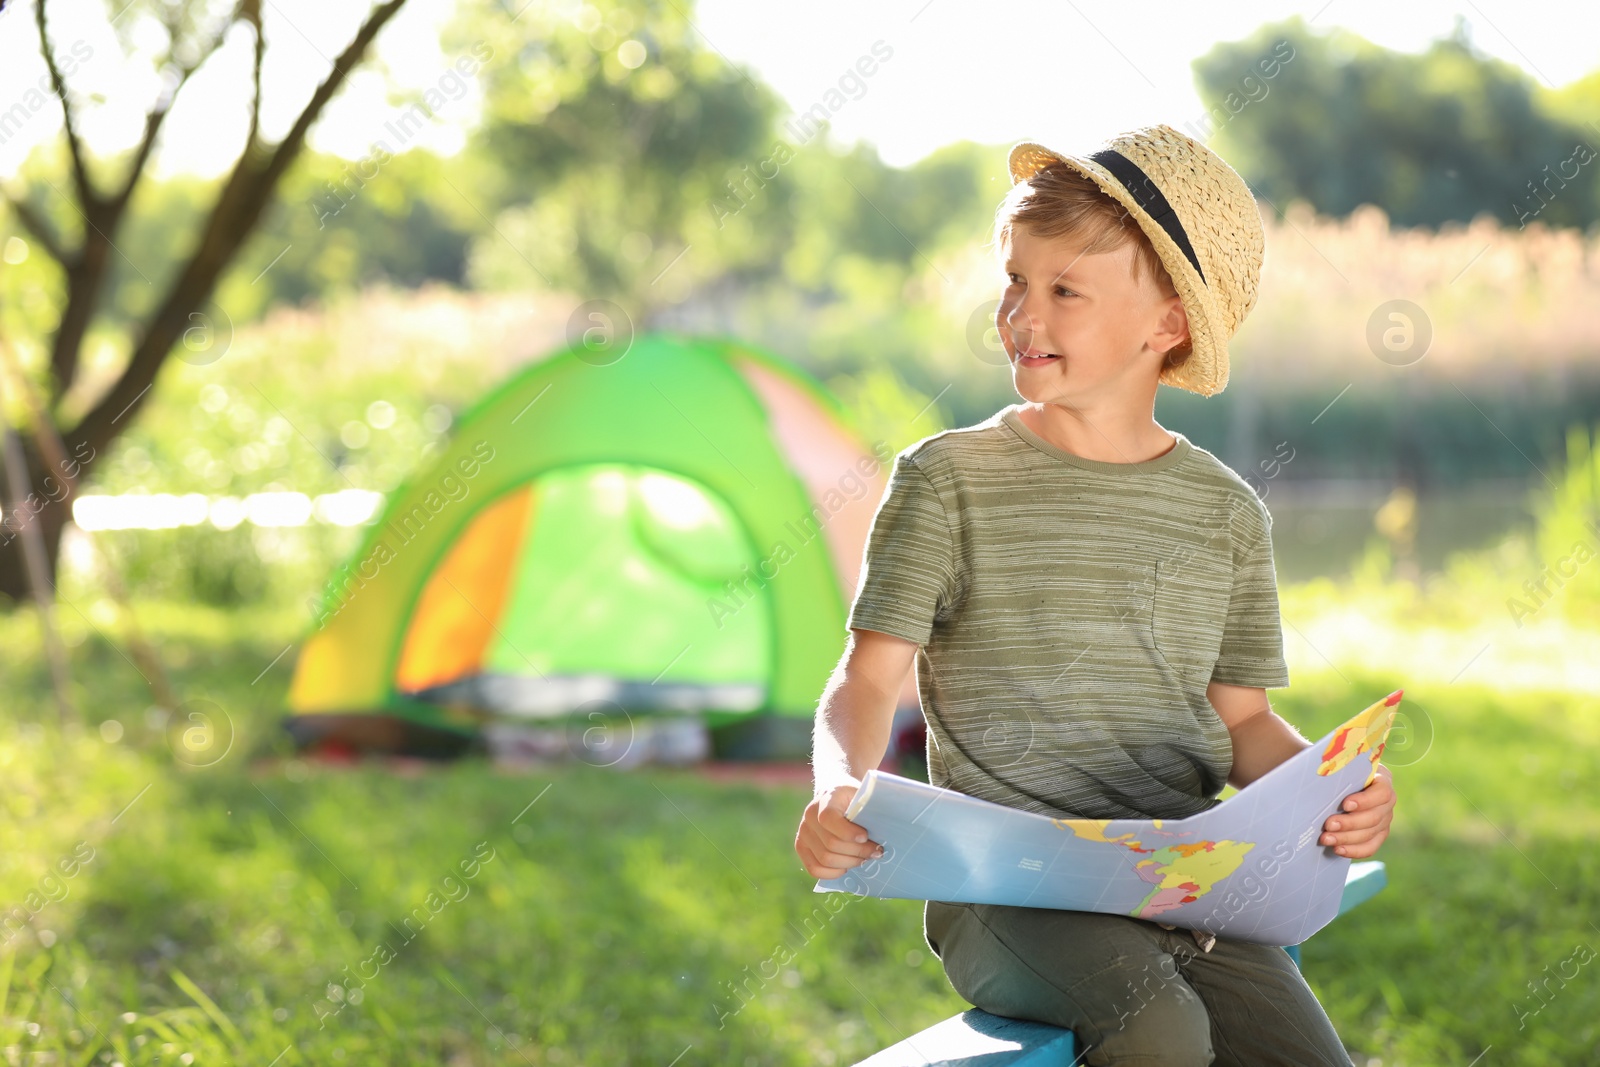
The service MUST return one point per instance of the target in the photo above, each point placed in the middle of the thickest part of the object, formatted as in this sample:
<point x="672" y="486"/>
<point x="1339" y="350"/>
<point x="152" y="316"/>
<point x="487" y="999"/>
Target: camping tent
<point x="678" y="530"/>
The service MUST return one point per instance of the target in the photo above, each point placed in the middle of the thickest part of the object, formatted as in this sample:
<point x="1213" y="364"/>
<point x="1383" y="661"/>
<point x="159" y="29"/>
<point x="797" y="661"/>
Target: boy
<point x="1091" y="605"/>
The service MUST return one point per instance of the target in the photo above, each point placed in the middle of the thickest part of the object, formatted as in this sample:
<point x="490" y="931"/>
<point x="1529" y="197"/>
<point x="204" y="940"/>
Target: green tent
<point x="676" y="531"/>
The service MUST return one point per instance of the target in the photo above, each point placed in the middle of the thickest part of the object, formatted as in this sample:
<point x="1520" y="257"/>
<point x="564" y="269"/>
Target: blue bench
<point x="974" y="1038"/>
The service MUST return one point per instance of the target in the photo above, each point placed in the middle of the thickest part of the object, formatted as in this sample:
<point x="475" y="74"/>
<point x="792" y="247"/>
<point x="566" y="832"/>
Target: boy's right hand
<point x="828" y="843"/>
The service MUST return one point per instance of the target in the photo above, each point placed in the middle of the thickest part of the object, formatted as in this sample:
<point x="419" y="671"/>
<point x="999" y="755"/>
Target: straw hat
<point x="1202" y="220"/>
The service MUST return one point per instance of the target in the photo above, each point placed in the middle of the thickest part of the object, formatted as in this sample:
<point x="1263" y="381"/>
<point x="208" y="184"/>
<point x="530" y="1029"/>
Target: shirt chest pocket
<point x="1193" y="584"/>
<point x="1122" y="617"/>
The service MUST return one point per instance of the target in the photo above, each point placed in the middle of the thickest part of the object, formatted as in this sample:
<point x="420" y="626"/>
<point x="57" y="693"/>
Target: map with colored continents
<point x="1248" y="868"/>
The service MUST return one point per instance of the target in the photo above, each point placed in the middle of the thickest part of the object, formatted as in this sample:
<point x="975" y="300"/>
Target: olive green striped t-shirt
<point x="1071" y="613"/>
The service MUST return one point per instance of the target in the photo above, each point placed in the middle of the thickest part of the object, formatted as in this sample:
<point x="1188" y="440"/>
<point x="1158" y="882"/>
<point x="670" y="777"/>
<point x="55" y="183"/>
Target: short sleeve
<point x="1252" y="638"/>
<point x="908" y="568"/>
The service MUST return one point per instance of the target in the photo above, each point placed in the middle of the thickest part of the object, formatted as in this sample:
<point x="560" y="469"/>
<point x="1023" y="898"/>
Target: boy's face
<point x="1108" y="332"/>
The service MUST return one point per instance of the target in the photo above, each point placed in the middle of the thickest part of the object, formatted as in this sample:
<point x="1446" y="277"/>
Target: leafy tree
<point x="615" y="132"/>
<point x="634" y="164"/>
<point x="339" y="225"/>
<point x="1440" y="136"/>
<point x="187" y="33"/>
<point x="1577" y="104"/>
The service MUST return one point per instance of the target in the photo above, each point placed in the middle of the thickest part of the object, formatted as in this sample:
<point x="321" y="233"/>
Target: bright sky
<point x="1064" y="73"/>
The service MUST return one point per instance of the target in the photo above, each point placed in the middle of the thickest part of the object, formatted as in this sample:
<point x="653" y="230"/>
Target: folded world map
<point x="1248" y="868"/>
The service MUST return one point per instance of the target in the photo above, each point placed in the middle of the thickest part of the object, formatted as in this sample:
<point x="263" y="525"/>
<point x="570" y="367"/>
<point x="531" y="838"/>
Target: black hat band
<point x="1150" y="198"/>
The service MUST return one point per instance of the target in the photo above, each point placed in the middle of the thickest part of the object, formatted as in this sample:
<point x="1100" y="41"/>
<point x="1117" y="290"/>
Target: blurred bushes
<point x="247" y="565"/>
<point x="1550" y="571"/>
<point x="199" y="563"/>
<point x="1568" y="539"/>
<point x="884" y="408"/>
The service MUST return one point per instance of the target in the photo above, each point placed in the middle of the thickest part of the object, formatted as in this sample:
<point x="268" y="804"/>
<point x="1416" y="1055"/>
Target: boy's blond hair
<point x="1059" y="202"/>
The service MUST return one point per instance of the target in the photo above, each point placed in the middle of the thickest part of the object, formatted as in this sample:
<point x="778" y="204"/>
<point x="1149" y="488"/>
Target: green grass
<point x="620" y="910"/>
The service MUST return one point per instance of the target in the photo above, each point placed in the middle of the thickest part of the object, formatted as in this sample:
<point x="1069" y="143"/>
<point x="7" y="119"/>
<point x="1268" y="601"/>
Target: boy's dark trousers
<point x="1131" y="991"/>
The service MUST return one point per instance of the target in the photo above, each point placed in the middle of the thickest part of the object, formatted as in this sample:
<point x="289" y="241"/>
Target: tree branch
<point x="103" y="218"/>
<point x="250" y="11"/>
<point x="80" y="175"/>
<point x="35" y="224"/>
<point x="292" y="142"/>
<point x="238" y="208"/>
<point x="152" y="125"/>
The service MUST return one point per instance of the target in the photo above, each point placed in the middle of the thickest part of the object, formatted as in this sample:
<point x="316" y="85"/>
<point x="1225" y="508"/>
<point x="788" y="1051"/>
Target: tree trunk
<point x="46" y="504"/>
<point x="245" y="195"/>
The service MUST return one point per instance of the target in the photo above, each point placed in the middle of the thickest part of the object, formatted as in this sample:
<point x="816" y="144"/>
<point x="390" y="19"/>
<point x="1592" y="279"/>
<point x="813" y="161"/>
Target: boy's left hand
<point x="1363" y="824"/>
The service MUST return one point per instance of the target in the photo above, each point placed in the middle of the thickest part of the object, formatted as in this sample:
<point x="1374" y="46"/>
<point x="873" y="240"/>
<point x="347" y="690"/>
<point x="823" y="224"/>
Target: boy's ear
<point x="1172" y="327"/>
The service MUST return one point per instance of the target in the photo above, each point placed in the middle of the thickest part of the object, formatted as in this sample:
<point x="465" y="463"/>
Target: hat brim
<point x="1206" y="370"/>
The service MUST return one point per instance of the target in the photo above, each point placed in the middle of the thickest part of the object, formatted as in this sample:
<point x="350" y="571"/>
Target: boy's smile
<point x="1086" y="343"/>
<point x="1079" y="325"/>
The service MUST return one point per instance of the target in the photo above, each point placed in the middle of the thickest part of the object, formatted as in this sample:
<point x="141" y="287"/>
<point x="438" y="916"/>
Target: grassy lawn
<point x="263" y="907"/>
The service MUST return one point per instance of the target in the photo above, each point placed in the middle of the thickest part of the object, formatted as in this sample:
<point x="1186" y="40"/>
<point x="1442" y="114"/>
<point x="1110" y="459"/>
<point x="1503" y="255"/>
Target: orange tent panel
<point x="456" y="615"/>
